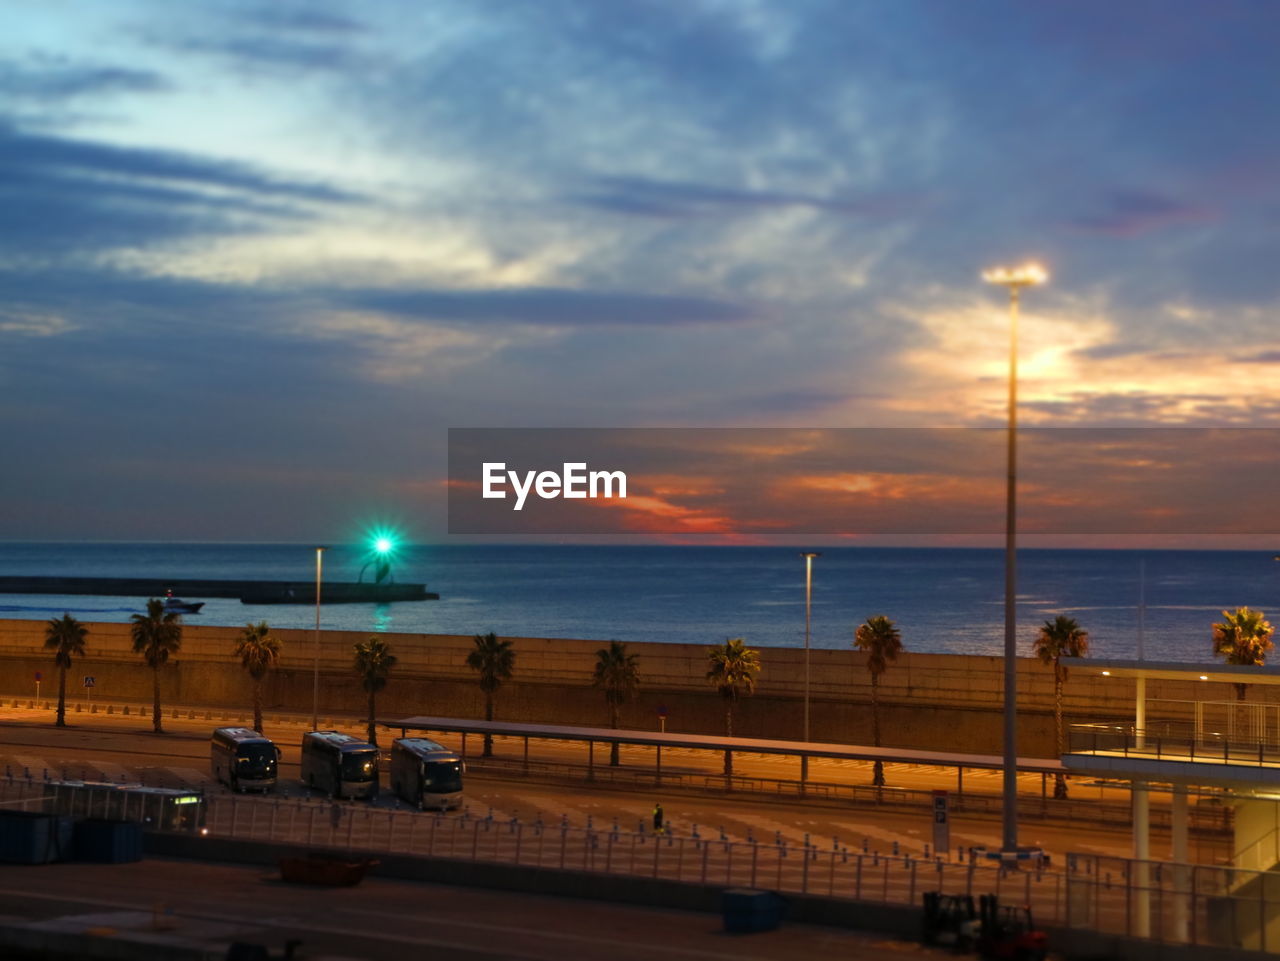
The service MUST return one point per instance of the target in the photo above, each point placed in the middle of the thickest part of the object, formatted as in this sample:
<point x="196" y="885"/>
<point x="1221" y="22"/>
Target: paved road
<point x="287" y="730"/>
<point x="112" y="747"/>
<point x="393" y="920"/>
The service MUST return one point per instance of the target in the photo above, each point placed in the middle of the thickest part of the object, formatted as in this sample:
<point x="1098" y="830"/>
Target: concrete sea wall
<point x="946" y="701"/>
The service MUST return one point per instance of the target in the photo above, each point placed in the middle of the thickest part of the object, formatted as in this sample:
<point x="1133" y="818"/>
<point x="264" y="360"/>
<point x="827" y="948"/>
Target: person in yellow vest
<point x="657" y="819"/>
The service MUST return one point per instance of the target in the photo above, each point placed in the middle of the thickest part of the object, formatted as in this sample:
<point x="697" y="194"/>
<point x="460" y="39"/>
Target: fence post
<point x="706" y="851"/>
<point x="755" y="860"/>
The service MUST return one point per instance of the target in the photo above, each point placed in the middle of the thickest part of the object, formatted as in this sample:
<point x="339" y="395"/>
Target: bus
<point x="158" y="808"/>
<point x="243" y="759"/>
<point x="426" y="774"/>
<point x="339" y="765"/>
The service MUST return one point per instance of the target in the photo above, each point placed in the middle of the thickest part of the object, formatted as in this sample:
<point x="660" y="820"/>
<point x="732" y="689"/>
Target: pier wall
<point x="945" y="701"/>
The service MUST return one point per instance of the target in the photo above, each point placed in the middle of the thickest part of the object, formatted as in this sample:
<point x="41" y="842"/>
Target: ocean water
<point x="945" y="600"/>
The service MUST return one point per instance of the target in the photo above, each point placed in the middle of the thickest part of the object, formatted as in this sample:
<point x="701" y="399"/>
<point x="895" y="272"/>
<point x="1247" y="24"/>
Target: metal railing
<point x="1128" y="741"/>
<point x="1197" y="904"/>
<point x="1177" y="903"/>
<point x="1216" y="820"/>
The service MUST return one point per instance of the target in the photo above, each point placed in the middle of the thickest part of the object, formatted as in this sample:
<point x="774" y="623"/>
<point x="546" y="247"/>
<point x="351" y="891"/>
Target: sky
<point x="257" y="258"/>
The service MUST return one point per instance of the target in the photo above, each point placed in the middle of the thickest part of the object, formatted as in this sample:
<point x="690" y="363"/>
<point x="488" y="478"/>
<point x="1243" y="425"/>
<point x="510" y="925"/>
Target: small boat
<point x="177" y="605"/>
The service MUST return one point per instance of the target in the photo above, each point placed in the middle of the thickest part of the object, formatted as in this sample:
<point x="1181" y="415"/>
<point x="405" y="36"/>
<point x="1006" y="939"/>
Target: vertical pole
<point x="1181" y="871"/>
<point x="808" y="605"/>
<point x="808" y="597"/>
<point x="1141" y="876"/>
<point x="315" y="673"/>
<point x="1010" y="821"/>
<point x="1140" y="713"/>
<point x="591" y="760"/>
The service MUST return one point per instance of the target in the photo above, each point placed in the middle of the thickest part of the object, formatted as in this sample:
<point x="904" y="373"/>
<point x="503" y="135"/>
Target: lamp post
<point x="315" y="674"/>
<point x="1014" y="278"/>
<point x="808" y="603"/>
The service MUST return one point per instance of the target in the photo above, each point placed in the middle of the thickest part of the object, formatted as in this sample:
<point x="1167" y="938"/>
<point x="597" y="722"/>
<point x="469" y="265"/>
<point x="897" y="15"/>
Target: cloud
<point x="551" y="307"/>
<point x="72" y="194"/>
<point x="1129" y="213"/>
<point x="54" y="78"/>
<point x="671" y="200"/>
<point x="28" y="324"/>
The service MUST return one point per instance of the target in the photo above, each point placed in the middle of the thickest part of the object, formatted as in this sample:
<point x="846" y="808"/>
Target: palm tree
<point x="65" y="637"/>
<point x="156" y="635"/>
<point x="1243" y="638"/>
<point x="1059" y="638"/>
<point x="258" y="651"/>
<point x="494" y="661"/>
<point x="618" y="675"/>
<point x="373" y="663"/>
<point x="881" y="642"/>
<point x="732" y="669"/>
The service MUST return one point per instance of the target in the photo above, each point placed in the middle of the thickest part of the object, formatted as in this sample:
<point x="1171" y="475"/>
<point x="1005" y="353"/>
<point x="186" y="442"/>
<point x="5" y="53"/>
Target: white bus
<point x="339" y="765"/>
<point x="243" y="759"/>
<point x="426" y="774"/>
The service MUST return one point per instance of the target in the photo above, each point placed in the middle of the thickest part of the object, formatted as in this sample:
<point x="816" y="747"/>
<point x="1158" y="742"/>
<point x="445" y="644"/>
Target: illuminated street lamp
<point x="808" y="599"/>
<point x="1014" y="278"/>
<point x="315" y="676"/>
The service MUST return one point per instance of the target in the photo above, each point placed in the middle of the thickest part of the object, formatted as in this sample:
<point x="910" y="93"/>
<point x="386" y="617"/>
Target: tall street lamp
<point x="1014" y="278"/>
<point x="808" y="603"/>
<point x="315" y="674"/>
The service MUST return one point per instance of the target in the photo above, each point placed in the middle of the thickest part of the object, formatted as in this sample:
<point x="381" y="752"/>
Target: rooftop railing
<point x="1128" y="741"/>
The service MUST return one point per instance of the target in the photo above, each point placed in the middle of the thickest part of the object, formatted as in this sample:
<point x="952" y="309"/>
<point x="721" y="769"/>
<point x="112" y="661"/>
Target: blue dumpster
<point x="30" y="837"/>
<point x="107" y="842"/>
<point x="746" y="910"/>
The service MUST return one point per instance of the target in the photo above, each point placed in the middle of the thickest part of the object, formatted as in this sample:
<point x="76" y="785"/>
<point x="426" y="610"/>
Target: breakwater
<point x="248" y="592"/>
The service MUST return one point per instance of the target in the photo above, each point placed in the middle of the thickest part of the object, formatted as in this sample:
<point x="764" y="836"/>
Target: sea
<point x="1160" y="604"/>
